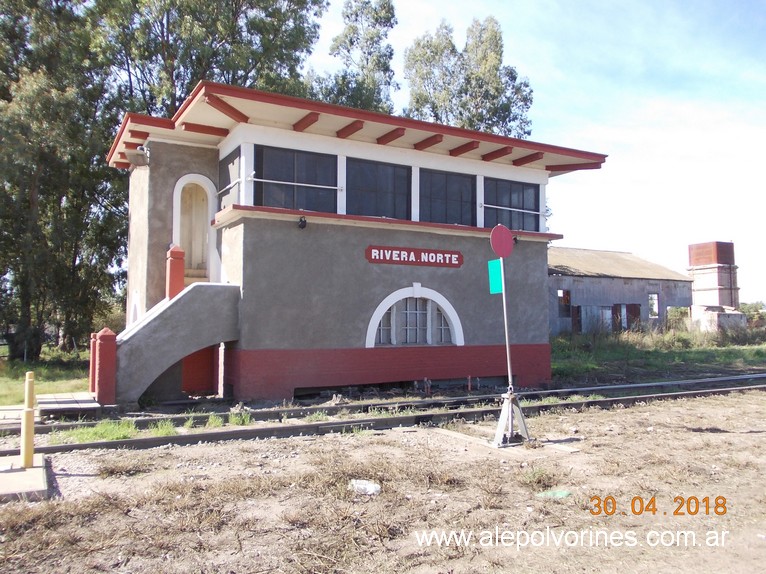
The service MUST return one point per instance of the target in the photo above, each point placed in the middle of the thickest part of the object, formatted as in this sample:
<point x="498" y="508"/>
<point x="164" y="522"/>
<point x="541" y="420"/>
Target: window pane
<point x="292" y="166"/>
<point x="383" y="336"/>
<point x="512" y="196"/>
<point x="447" y="197"/>
<point x="377" y="189"/>
<point x="530" y="198"/>
<point x="415" y="323"/>
<point x="443" y="333"/>
<point x="277" y="195"/>
<point x="278" y="164"/>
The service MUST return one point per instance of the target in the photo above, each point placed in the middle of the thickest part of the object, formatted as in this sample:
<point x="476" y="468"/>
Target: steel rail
<point x="392" y="406"/>
<point x="680" y="383"/>
<point x="352" y="408"/>
<point x="374" y="423"/>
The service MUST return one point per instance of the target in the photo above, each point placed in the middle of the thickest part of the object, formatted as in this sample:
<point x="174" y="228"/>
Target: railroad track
<point x="397" y="414"/>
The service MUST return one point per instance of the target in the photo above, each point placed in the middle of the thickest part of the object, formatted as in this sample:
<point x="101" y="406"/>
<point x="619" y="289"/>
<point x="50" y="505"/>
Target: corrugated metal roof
<point x="592" y="263"/>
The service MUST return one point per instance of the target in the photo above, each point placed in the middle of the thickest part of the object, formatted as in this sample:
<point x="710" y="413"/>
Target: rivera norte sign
<point x="413" y="256"/>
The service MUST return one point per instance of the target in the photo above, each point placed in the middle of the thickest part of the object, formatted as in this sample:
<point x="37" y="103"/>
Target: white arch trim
<point x="213" y="257"/>
<point x="417" y="291"/>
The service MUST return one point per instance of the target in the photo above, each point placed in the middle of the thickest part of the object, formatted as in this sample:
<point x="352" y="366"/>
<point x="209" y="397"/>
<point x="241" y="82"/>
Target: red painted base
<point x="198" y="372"/>
<point x="275" y="374"/>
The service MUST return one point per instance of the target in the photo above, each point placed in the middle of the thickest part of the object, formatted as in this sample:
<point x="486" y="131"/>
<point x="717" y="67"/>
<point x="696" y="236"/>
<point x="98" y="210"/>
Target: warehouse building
<point x="322" y="246"/>
<point x="606" y="291"/>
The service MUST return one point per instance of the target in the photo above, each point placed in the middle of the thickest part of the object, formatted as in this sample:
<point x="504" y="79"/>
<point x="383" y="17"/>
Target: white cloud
<point x="673" y="95"/>
<point x="678" y="173"/>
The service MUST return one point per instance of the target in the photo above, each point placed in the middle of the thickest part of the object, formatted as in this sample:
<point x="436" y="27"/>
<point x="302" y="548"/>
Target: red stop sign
<point x="501" y="240"/>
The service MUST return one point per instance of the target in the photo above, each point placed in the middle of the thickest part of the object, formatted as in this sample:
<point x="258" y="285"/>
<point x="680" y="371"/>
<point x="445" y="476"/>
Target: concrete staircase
<point x="202" y="315"/>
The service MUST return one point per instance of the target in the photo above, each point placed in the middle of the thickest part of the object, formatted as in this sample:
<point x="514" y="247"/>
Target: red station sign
<point x="413" y="256"/>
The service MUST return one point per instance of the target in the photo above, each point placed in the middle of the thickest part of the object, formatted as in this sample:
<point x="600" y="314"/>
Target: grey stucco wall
<point x="314" y="288"/>
<point x="151" y="214"/>
<point x="138" y="203"/>
<point x="591" y="293"/>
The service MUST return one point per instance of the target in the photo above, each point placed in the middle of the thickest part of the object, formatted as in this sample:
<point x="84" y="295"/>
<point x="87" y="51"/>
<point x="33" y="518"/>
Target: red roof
<point x="213" y="110"/>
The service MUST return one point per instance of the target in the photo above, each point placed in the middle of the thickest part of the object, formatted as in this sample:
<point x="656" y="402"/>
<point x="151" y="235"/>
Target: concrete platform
<point x="68" y="404"/>
<point x="11" y="414"/>
<point x="81" y="404"/>
<point x="18" y="483"/>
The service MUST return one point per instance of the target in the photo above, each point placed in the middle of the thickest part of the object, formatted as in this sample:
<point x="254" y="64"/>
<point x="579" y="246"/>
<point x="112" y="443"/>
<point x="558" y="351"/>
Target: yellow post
<point x="28" y="422"/>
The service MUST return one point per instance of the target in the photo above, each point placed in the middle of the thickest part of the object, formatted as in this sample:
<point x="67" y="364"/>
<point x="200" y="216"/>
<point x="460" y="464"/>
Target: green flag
<point x="495" y="267"/>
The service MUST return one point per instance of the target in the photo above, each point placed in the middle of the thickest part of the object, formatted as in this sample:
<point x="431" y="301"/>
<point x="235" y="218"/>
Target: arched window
<point x="414" y="321"/>
<point x="415" y="316"/>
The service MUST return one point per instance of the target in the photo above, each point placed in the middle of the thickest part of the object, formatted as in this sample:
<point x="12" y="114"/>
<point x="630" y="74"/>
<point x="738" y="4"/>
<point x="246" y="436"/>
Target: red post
<point x="106" y="367"/>
<point x="92" y="373"/>
<point x="174" y="272"/>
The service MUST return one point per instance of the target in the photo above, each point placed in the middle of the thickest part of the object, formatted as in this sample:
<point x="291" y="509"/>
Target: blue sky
<point x="674" y="92"/>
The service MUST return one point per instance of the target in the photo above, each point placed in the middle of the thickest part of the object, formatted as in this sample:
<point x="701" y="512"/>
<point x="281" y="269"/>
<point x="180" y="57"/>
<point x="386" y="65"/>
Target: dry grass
<point x="538" y="478"/>
<point x="122" y="467"/>
<point x="285" y="506"/>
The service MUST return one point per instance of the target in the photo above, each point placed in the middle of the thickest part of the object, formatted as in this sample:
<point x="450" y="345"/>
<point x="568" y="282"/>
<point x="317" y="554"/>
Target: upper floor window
<point x="377" y="189"/>
<point x="279" y="173"/>
<point x="511" y="203"/>
<point x="447" y="197"/>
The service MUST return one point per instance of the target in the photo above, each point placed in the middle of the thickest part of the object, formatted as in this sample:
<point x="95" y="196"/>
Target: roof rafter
<point x="394" y="134"/>
<point x="202" y="129"/>
<point x="498" y="153"/>
<point x="573" y="166"/>
<point x="350" y="129"/>
<point x="465" y="148"/>
<point x="429" y="142"/>
<point x="226" y="109"/>
<point x="308" y="120"/>
<point x="538" y="155"/>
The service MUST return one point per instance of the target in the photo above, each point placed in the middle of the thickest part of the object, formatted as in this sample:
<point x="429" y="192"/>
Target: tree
<point x="61" y="208"/>
<point x="68" y="70"/>
<point x="470" y="89"/>
<point x="433" y="67"/>
<point x="162" y="48"/>
<point x="755" y="312"/>
<point x="367" y="78"/>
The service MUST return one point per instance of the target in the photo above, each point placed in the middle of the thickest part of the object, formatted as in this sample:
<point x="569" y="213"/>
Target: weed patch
<point x="214" y="421"/>
<point x="240" y="419"/>
<point x="103" y="431"/>
<point x="163" y="428"/>
<point x="316" y="417"/>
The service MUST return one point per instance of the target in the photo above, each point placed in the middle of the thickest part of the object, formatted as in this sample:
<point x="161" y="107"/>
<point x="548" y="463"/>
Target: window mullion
<point x="393" y="324"/>
<point x="429" y="323"/>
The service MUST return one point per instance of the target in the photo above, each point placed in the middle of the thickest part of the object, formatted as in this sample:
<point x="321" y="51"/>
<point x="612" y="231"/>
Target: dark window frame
<point x="515" y="204"/>
<point x="294" y="195"/>
<point x="383" y="188"/>
<point x="433" y="193"/>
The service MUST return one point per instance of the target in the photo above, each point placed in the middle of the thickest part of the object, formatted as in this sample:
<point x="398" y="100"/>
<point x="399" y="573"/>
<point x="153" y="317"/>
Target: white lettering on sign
<point x="414" y="256"/>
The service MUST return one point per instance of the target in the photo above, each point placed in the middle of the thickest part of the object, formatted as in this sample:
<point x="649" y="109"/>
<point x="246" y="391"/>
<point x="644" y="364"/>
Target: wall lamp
<point x="302" y="223"/>
<point x="138" y="157"/>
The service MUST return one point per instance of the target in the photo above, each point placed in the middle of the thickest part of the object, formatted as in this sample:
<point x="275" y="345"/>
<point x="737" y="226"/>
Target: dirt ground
<point x="285" y="505"/>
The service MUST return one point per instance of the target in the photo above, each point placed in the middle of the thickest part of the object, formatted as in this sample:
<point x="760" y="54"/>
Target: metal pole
<point x="505" y="323"/>
<point x="28" y="422"/>
<point x="507" y="351"/>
